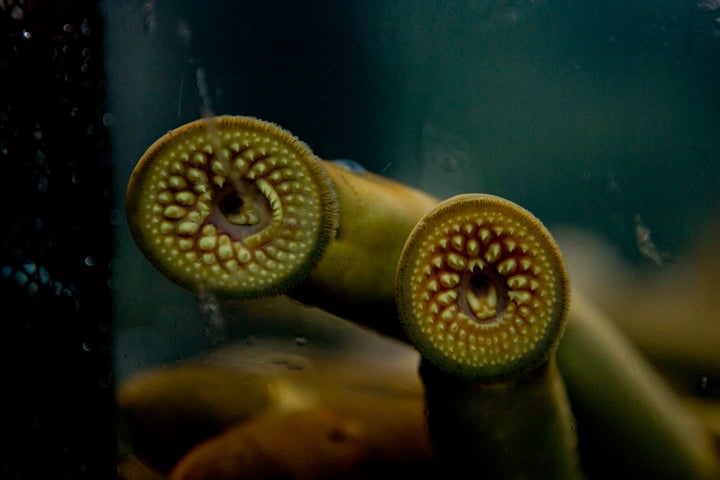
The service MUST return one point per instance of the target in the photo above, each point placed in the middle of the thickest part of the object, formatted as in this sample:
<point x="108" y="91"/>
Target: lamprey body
<point x="232" y="205"/>
<point x="482" y="288"/>
<point x="482" y="293"/>
<point x="240" y="208"/>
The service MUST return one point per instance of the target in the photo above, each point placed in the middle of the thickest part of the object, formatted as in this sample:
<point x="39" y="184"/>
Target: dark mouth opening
<point x="240" y="210"/>
<point x="231" y="204"/>
<point x="485" y="297"/>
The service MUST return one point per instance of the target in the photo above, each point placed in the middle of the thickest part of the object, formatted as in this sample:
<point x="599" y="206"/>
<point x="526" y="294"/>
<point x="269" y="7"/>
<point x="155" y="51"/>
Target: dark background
<point x="56" y="244"/>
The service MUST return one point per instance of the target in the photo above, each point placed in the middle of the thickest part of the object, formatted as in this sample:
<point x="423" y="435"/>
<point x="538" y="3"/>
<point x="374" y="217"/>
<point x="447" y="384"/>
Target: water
<point x="603" y="119"/>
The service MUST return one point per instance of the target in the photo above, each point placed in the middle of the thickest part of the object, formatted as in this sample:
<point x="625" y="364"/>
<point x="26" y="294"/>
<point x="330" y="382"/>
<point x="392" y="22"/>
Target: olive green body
<point x="521" y="428"/>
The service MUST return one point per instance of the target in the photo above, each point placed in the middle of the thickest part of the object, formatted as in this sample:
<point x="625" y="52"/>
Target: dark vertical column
<point x="55" y="244"/>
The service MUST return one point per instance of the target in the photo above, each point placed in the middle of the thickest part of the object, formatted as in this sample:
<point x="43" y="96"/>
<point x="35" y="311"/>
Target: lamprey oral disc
<point x="235" y="206"/>
<point x="482" y="288"/>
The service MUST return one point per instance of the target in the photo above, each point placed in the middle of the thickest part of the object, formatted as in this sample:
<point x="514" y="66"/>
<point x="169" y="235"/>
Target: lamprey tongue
<point x="482" y="287"/>
<point x="231" y="205"/>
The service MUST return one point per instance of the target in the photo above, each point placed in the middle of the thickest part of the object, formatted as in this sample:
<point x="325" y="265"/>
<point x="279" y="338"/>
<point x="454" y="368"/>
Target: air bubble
<point x="85" y="27"/>
<point x="43" y="184"/>
<point x="184" y="32"/>
<point x="20" y="279"/>
<point x="39" y="157"/>
<point x="108" y="119"/>
<point x="703" y="382"/>
<point x="44" y="276"/>
<point x="17" y="13"/>
<point x="116" y="217"/>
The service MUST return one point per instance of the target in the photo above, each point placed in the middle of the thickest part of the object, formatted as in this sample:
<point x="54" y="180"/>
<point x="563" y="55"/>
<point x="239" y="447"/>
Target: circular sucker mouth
<point x="231" y="205"/>
<point x="482" y="288"/>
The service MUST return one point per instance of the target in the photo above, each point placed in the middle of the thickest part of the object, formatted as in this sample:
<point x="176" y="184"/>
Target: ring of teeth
<point x="485" y="285"/>
<point x="230" y="208"/>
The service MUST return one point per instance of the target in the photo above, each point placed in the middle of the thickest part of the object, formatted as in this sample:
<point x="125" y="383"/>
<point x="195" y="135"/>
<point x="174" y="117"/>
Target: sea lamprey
<point x="240" y="208"/>
<point x="482" y="289"/>
<point x="482" y="294"/>
<point x="234" y="206"/>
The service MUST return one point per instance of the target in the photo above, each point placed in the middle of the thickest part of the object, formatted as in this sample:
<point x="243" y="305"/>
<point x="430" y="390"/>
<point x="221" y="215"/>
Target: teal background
<point x="586" y="113"/>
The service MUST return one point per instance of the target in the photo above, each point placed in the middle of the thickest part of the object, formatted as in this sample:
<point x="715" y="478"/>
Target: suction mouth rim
<point x="231" y="205"/>
<point x="482" y="289"/>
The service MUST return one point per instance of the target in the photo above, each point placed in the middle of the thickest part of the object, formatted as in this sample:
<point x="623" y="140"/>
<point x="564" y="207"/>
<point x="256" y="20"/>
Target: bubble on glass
<point x="43" y="184"/>
<point x="64" y="291"/>
<point x="30" y="267"/>
<point x="149" y="18"/>
<point x="116" y="217"/>
<point x="85" y="27"/>
<point x="644" y="241"/>
<point x="212" y="316"/>
<point x="21" y="279"/>
<point x="288" y="362"/>
<point x="90" y="261"/>
<point x="44" y="276"/>
<point x="17" y="13"/>
<point x="203" y="92"/>
<point x="27" y="35"/>
<point x="105" y="381"/>
<point x="108" y="119"/>
<point x="183" y="32"/>
<point x="613" y="185"/>
<point x="448" y="162"/>
<point x="301" y="341"/>
<point x="445" y="149"/>
<point x="709" y="5"/>
<point x="86" y="347"/>
<point x="704" y="382"/>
